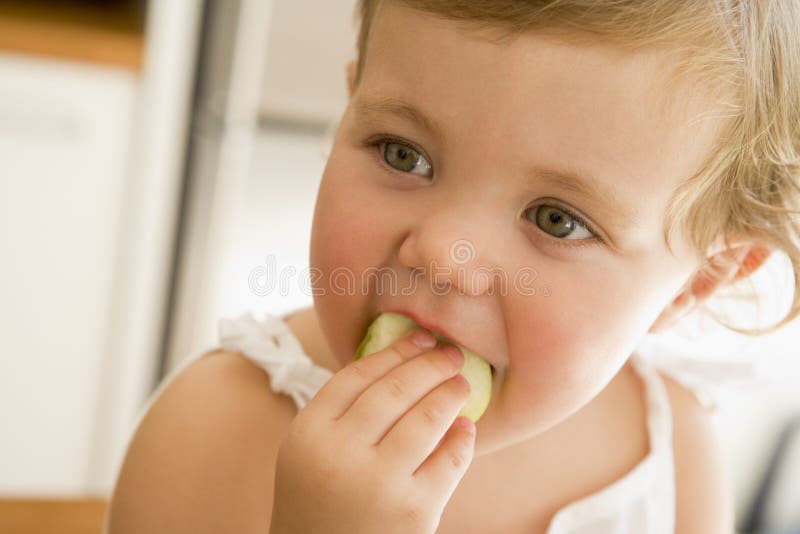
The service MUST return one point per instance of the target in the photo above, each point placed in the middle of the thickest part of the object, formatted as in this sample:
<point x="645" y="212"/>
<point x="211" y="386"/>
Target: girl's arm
<point x="703" y="496"/>
<point x="203" y="458"/>
<point x="379" y="448"/>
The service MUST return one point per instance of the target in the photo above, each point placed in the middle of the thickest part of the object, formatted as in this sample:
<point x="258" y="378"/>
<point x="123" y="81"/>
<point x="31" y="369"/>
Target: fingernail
<point x="424" y="339"/>
<point x="466" y="424"/>
<point x="454" y="353"/>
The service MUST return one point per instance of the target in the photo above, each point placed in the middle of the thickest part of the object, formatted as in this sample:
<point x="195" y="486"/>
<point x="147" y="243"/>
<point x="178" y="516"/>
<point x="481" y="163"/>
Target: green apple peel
<point x="388" y="327"/>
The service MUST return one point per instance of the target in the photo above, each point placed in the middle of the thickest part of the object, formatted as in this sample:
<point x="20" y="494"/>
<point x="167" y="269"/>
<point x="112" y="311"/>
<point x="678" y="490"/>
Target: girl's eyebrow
<point x="606" y="199"/>
<point x="608" y="204"/>
<point x="370" y="109"/>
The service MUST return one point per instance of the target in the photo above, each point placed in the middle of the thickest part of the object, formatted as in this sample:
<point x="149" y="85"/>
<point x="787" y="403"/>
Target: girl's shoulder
<point x="283" y="349"/>
<point x="205" y="451"/>
<point x="703" y="497"/>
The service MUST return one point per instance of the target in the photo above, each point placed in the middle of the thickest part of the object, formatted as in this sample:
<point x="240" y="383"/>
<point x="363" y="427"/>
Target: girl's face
<point x="512" y="196"/>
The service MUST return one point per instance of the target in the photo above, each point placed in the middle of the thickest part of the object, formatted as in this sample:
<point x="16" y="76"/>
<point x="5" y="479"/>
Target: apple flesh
<point x="389" y="327"/>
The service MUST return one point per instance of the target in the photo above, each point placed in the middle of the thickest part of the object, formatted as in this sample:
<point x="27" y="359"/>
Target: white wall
<point x="274" y="231"/>
<point x="91" y="170"/>
<point x="64" y="130"/>
<point x="310" y="43"/>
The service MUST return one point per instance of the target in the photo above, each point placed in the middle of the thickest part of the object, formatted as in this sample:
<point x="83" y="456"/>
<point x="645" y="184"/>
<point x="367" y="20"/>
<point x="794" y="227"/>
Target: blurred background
<point x="160" y="167"/>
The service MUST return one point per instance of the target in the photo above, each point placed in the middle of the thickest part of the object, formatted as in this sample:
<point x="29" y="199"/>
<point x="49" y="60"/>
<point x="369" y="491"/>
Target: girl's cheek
<point x="343" y="241"/>
<point x="573" y="329"/>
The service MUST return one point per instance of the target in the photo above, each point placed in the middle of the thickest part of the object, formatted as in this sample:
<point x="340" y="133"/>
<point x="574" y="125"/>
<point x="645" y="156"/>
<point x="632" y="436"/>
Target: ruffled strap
<point x="707" y="377"/>
<point x="271" y="345"/>
<point x="644" y="499"/>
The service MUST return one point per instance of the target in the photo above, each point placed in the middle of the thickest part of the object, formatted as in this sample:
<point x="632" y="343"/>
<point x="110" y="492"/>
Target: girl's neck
<point x="305" y="327"/>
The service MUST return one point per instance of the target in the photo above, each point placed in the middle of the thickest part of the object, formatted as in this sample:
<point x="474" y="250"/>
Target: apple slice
<point x="389" y="327"/>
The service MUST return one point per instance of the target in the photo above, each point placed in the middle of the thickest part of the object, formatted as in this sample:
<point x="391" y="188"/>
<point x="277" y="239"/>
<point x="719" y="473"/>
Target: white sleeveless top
<point x="641" y="502"/>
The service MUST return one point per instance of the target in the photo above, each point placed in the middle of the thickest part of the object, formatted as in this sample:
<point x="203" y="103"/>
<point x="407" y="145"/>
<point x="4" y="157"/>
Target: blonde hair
<point x="748" y="51"/>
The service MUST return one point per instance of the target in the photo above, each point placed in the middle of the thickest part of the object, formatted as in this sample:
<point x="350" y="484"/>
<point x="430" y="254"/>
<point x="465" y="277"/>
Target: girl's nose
<point x="450" y="259"/>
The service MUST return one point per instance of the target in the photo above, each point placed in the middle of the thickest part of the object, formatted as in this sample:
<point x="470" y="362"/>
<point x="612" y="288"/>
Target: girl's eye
<point x="404" y="158"/>
<point x="559" y="223"/>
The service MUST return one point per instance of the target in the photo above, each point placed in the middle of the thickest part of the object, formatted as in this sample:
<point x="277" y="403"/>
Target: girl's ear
<point x="351" y="78"/>
<point x="721" y="268"/>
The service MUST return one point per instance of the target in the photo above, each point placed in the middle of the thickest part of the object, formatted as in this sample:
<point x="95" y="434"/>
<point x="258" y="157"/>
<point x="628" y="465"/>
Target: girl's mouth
<point x="432" y="327"/>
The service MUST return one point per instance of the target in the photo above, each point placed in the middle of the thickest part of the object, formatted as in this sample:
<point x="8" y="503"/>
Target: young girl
<point x="610" y="164"/>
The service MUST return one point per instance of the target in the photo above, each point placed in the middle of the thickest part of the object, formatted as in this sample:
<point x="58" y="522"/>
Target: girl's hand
<point x="362" y="456"/>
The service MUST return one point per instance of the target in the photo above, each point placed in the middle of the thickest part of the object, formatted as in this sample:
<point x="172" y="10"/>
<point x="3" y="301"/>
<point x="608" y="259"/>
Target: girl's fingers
<point x="382" y="405"/>
<point x="444" y="469"/>
<point x="338" y="393"/>
<point x="418" y="432"/>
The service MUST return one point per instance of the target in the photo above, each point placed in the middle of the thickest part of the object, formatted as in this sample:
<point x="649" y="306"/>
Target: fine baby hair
<point x="747" y="53"/>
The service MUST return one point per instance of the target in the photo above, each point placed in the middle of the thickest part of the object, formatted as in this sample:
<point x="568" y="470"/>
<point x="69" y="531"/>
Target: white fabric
<point x="272" y="346"/>
<point x="643" y="501"/>
<point x="709" y="364"/>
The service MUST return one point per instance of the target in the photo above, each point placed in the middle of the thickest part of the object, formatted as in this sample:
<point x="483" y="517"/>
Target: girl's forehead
<point x="431" y="51"/>
<point x="435" y="59"/>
